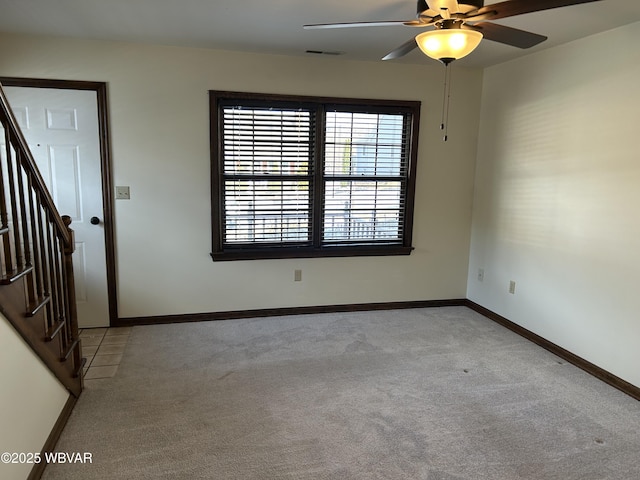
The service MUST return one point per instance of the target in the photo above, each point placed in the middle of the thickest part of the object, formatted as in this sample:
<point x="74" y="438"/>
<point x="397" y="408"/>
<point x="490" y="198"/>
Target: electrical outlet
<point x="122" y="193"/>
<point x="512" y="287"/>
<point x="481" y="274"/>
<point x="297" y="275"/>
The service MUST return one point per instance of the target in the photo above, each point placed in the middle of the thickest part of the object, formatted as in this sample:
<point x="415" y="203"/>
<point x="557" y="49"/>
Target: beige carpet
<point x="435" y="394"/>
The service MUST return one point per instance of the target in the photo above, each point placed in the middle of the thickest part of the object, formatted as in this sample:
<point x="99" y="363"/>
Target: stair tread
<point x="37" y="305"/>
<point x="16" y="274"/>
<point x="54" y="330"/>
<point x="75" y="344"/>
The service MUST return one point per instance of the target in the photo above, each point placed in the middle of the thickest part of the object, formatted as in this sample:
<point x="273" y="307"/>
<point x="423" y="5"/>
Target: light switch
<point x="122" y="193"/>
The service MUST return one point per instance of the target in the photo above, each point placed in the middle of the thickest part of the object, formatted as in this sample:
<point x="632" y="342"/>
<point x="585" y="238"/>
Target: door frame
<point x="105" y="167"/>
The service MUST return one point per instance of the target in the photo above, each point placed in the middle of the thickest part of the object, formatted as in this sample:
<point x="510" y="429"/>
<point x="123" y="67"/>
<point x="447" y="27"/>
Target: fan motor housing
<point x="465" y="6"/>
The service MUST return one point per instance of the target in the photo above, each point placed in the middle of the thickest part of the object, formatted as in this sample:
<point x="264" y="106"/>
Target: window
<point x="311" y="177"/>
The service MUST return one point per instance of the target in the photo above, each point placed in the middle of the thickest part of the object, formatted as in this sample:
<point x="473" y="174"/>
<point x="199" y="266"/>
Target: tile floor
<point x="103" y="349"/>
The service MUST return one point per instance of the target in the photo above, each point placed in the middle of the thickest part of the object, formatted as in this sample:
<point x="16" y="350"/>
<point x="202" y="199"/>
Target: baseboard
<point x="579" y="362"/>
<point x="54" y="436"/>
<point x="274" y="312"/>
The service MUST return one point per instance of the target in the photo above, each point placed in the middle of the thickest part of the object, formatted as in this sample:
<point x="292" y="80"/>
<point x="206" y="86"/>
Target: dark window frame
<point x="315" y="248"/>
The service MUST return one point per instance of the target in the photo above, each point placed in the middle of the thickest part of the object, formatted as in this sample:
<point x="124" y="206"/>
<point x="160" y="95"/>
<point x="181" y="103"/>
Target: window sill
<point x="305" y="252"/>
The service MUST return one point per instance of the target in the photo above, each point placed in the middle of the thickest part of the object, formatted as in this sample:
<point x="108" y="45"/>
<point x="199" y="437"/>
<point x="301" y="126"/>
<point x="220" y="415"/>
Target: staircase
<point x="37" y="292"/>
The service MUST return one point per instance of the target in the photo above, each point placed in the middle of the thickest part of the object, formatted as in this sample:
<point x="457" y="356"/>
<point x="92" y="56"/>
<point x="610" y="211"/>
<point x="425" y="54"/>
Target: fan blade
<point x="507" y="35"/>
<point x="423" y="22"/>
<point x="402" y="50"/>
<point x="358" y="24"/>
<point x="478" y="17"/>
<point x="511" y="8"/>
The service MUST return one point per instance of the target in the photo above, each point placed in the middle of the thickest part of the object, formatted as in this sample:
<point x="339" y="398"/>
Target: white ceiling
<point x="275" y="26"/>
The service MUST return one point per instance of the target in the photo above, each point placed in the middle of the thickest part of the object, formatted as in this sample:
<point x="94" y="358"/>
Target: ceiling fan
<point x="458" y="27"/>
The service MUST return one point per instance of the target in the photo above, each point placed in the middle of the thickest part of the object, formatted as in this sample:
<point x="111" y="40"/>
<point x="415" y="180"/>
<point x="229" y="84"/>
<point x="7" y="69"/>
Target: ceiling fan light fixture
<point x="448" y="44"/>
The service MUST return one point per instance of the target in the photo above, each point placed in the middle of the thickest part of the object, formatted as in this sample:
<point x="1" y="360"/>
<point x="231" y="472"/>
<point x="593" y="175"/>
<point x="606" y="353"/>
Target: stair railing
<point x="37" y="293"/>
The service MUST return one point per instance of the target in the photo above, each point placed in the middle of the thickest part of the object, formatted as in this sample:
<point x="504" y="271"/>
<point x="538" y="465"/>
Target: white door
<point x="61" y="128"/>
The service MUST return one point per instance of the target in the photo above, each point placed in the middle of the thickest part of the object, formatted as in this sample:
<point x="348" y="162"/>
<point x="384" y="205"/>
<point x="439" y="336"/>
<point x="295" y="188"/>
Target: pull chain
<point x="444" y="125"/>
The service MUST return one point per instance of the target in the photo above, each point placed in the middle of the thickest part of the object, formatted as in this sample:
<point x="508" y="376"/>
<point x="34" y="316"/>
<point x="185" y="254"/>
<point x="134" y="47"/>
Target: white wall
<point x="159" y="125"/>
<point x="31" y="400"/>
<point x="557" y="191"/>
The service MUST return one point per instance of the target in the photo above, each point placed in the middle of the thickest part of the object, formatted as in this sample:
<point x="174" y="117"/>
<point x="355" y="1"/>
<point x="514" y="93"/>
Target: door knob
<point x="95" y="221"/>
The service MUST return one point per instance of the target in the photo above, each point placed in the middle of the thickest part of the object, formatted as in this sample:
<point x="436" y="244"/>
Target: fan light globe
<point x="448" y="45"/>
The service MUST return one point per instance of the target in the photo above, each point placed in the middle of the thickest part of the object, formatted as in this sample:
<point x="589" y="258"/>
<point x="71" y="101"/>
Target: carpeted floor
<point x="434" y="394"/>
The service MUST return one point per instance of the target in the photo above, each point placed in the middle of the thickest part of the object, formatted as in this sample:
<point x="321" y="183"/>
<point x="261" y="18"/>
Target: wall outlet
<point x="512" y="287"/>
<point x="481" y="274"/>
<point x="297" y="275"/>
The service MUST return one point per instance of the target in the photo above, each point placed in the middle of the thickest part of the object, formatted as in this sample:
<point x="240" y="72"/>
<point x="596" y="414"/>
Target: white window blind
<point x="366" y="162"/>
<point x="267" y="175"/>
